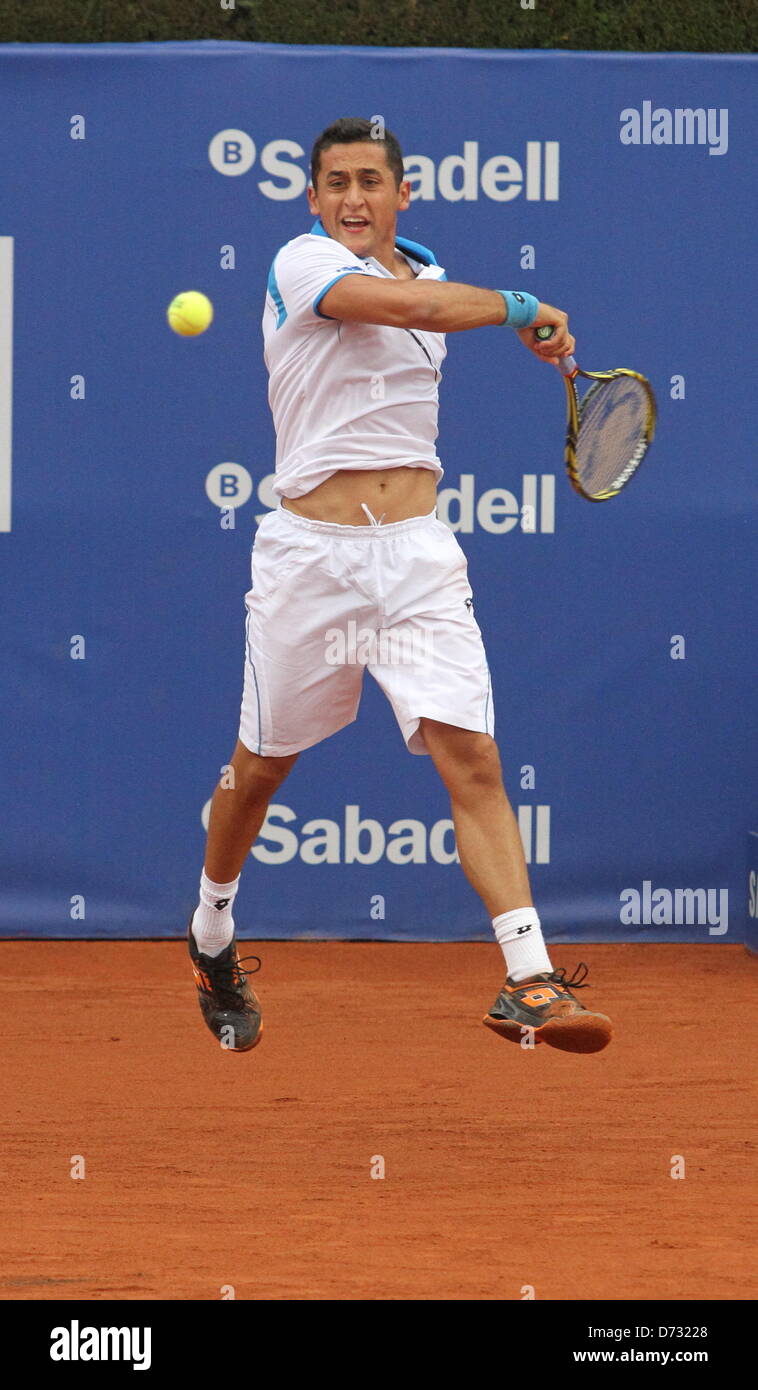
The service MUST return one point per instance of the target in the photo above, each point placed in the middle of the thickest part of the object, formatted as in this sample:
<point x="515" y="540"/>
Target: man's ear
<point x="404" y="192"/>
<point x="312" y="199"/>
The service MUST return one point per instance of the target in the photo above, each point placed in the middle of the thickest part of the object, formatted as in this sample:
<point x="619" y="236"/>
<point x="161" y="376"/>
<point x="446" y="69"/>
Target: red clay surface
<point x="504" y="1168"/>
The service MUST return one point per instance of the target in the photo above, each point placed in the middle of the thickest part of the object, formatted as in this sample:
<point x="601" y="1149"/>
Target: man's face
<point x="357" y="198"/>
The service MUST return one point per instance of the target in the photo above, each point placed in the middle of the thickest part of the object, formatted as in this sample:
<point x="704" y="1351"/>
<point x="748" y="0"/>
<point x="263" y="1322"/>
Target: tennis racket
<point x="609" y="432"/>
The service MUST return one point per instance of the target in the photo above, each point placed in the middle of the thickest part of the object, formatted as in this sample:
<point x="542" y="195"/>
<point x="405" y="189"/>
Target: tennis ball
<point x="190" y="313"/>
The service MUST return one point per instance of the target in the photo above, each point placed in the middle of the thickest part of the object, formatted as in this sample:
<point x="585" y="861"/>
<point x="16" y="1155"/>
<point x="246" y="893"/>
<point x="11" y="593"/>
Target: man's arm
<point x="437" y="306"/>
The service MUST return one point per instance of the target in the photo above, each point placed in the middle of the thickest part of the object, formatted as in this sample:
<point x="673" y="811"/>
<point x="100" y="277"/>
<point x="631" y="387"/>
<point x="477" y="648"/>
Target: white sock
<point x="213" y="924"/>
<point x="520" y="935"/>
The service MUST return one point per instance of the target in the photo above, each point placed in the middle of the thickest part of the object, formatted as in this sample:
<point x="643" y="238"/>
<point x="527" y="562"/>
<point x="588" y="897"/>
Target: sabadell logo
<point x="460" y="177"/>
<point x="358" y="839"/>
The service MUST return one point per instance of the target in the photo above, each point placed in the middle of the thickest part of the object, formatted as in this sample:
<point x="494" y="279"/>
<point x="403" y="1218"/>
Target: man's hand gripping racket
<point x="609" y="432"/>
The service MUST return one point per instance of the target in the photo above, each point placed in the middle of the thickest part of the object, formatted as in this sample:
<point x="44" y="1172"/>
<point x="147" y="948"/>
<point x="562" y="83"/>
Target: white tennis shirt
<point x="345" y="395"/>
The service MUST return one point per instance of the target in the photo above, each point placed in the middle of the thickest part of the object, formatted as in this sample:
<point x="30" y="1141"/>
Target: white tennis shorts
<point x="328" y="601"/>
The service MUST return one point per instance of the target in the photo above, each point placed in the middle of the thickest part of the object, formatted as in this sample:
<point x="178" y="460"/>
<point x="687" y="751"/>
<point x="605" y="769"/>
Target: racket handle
<point x="567" y="365"/>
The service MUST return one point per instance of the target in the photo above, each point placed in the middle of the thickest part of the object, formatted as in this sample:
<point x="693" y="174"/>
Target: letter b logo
<point x="231" y="152"/>
<point x="228" y="485"/>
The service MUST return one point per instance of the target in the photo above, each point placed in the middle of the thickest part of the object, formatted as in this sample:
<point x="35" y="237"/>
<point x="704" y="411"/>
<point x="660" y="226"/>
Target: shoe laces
<point x="231" y="977"/>
<point x="577" y="980"/>
<point x="240" y="975"/>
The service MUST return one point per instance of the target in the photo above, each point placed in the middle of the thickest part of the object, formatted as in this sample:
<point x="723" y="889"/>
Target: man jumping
<point x="354" y="336"/>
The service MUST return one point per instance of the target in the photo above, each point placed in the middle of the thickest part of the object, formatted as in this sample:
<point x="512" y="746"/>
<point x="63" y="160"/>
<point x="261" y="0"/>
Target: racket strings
<point x="613" y="420"/>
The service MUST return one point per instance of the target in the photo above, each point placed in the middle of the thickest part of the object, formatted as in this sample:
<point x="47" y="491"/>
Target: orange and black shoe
<point x="546" y="1005"/>
<point x="229" y="1006"/>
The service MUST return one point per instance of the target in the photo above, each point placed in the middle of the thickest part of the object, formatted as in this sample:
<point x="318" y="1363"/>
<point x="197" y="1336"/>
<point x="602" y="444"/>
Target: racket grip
<point x="566" y="365"/>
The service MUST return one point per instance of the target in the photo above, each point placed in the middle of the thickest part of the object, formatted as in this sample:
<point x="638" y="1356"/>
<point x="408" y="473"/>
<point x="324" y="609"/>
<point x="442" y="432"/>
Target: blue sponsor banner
<point x="617" y="186"/>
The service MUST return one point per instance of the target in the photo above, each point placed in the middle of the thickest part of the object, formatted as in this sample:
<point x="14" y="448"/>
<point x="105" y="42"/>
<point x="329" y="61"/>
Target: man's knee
<point x="253" y="772"/>
<point x="464" y="757"/>
<point x="481" y="762"/>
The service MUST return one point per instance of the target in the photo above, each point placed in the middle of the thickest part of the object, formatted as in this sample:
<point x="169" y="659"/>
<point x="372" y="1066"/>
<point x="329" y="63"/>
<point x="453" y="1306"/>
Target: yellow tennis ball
<point x="190" y="313"/>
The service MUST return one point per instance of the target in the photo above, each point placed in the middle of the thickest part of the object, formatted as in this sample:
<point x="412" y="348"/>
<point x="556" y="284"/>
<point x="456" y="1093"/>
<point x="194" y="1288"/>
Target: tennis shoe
<point x="543" y="1009"/>
<point x="229" y="1006"/>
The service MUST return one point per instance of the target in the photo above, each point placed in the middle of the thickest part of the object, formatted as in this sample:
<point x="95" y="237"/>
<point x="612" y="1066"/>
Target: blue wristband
<point x="522" y="308"/>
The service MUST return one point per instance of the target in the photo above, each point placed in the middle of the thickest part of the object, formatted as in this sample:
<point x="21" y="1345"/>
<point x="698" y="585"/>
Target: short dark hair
<point x="349" y="130"/>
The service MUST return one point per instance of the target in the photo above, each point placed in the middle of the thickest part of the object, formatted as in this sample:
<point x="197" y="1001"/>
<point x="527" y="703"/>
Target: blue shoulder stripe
<point x="414" y="248"/>
<point x="273" y="290"/>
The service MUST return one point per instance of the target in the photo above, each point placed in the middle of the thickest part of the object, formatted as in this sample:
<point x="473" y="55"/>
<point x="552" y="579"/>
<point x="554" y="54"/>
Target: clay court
<point x="505" y="1168"/>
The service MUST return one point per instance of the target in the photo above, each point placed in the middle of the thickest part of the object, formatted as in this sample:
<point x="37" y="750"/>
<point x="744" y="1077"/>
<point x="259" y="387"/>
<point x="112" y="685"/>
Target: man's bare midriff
<point x="394" y="493"/>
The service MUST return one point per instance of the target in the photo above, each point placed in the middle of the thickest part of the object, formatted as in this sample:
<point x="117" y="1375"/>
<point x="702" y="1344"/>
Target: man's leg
<point x="231" y="1009"/>
<point x="238" y="811"/>
<point x="535" y="1004"/>
<point x="489" y="842"/>
<point x="486" y="830"/>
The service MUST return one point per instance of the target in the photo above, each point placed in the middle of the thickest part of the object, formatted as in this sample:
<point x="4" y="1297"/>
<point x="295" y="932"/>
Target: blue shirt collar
<point x="413" y="248"/>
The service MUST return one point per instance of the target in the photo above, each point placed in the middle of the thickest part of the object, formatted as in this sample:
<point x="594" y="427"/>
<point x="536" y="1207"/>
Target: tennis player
<point x="354" y="337"/>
